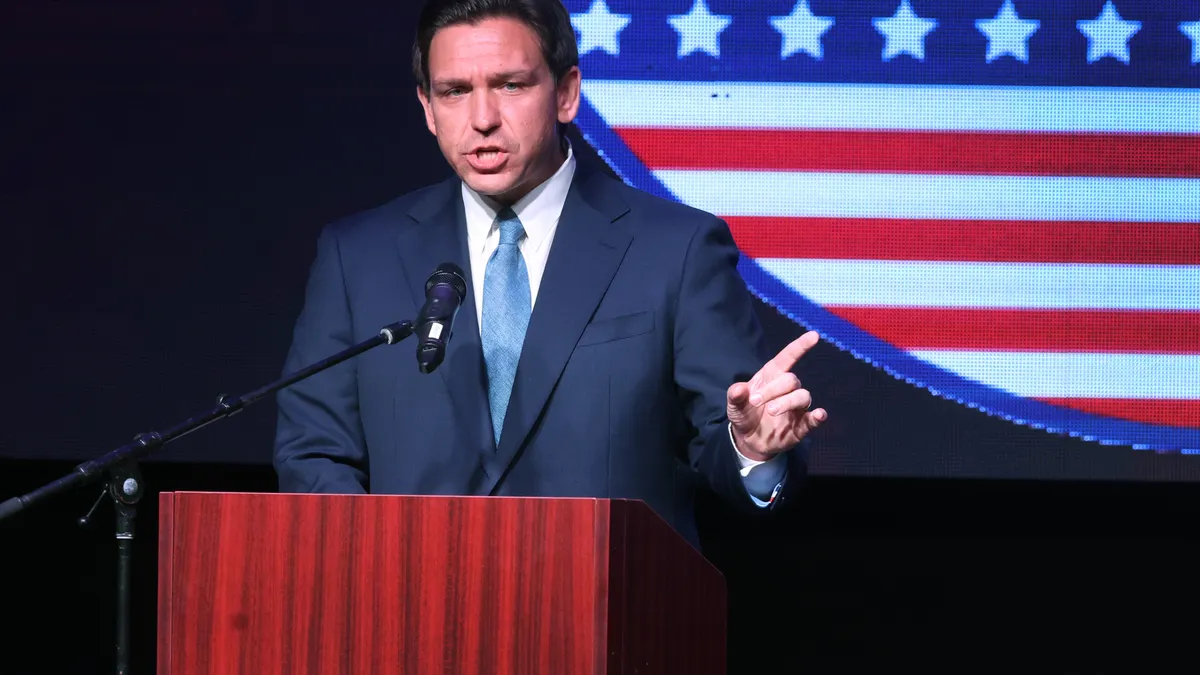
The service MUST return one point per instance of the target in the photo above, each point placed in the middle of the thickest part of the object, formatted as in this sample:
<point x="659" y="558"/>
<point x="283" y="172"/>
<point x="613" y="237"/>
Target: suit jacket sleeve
<point x="718" y="341"/>
<point x="319" y="445"/>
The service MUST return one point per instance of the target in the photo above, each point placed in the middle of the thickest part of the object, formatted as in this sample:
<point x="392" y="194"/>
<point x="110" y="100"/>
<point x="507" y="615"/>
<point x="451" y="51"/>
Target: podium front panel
<point x="267" y="584"/>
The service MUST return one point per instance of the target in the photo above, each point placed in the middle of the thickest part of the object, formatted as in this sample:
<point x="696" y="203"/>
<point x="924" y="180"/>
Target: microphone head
<point x="448" y="274"/>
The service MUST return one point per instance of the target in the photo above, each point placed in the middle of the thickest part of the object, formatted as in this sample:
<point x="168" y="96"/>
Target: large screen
<point x="995" y="202"/>
<point x="989" y="210"/>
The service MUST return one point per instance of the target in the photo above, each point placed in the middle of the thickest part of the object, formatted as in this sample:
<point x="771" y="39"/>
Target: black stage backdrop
<point x="165" y="171"/>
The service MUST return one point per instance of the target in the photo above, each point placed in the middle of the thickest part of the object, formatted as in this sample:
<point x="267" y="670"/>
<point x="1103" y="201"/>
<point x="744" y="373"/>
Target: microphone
<point x="444" y="294"/>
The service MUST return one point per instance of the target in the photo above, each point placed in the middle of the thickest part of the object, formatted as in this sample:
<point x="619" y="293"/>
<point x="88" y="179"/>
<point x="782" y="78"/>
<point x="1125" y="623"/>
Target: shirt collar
<point x="538" y="211"/>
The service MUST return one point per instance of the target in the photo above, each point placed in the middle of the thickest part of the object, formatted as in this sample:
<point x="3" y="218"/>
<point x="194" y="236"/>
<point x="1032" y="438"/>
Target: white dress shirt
<point x="539" y="212"/>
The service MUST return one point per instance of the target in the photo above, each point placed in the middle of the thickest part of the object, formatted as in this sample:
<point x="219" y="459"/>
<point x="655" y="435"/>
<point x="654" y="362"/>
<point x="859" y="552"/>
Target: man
<point x="607" y="346"/>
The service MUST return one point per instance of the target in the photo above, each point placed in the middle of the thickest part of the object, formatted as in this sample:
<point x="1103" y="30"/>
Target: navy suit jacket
<point x="640" y="325"/>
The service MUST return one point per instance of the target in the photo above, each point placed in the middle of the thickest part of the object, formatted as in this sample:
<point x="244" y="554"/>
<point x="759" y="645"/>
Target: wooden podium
<point x="370" y="584"/>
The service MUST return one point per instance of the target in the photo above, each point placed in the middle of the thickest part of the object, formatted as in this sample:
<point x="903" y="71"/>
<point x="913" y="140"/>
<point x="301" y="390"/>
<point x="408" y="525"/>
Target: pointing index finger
<point x="789" y="355"/>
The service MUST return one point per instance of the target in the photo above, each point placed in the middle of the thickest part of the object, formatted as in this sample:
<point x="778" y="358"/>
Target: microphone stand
<point x="125" y="486"/>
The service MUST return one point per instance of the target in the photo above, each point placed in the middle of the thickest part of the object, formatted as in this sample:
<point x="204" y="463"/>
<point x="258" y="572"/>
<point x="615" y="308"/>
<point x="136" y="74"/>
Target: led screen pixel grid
<point x="997" y="202"/>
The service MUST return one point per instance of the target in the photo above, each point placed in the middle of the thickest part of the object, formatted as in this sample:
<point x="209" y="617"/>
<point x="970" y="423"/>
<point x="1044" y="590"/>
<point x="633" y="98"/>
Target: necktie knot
<point x="511" y="228"/>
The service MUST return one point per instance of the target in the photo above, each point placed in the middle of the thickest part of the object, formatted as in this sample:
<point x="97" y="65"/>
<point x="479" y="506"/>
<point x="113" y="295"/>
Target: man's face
<point x="493" y="106"/>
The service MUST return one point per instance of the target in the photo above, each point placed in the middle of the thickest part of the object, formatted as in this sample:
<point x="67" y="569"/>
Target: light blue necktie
<point x="506" y="309"/>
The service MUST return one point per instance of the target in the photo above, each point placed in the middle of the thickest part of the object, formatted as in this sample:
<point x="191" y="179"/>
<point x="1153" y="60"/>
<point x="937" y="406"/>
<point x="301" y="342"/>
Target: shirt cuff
<point x="763" y="479"/>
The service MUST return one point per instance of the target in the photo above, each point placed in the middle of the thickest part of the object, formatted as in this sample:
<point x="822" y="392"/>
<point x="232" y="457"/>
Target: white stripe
<point x="875" y="195"/>
<point x="888" y="283"/>
<point x="893" y="107"/>
<point x="1073" y="375"/>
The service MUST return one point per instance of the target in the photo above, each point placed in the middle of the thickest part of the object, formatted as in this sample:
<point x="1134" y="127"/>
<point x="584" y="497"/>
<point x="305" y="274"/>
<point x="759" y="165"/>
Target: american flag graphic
<point x="998" y="201"/>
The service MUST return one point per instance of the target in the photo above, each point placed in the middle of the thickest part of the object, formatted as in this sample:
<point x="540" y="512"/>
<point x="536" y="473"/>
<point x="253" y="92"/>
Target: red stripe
<point x="1170" y="412"/>
<point x="948" y="152"/>
<point x="970" y="240"/>
<point x="1127" y="331"/>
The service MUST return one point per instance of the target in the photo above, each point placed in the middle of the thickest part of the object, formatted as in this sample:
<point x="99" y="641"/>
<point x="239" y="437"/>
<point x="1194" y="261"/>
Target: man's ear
<point x="568" y="95"/>
<point x="424" y="98"/>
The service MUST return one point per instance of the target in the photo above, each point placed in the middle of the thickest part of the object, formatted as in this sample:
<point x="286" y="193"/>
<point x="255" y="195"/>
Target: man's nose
<point x="485" y="113"/>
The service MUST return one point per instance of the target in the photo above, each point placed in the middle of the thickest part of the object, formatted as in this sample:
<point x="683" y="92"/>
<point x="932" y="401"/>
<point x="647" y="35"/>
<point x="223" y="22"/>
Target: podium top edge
<point x="338" y="495"/>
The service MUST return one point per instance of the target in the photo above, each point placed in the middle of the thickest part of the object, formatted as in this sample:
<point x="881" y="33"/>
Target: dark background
<point x="165" y="170"/>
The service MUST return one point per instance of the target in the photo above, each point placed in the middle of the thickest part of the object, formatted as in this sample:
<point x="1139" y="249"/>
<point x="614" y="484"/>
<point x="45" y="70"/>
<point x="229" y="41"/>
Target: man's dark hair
<point x="548" y="19"/>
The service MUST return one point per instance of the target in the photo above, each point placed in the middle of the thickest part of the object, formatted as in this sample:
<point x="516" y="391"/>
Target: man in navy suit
<point x="607" y="346"/>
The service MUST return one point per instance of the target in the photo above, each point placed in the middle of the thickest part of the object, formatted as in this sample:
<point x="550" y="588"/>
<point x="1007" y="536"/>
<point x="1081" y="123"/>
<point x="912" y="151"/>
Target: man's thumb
<point x="738" y="396"/>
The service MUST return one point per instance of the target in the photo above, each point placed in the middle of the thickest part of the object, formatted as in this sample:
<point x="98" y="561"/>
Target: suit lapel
<point x="585" y="255"/>
<point x="438" y="236"/>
